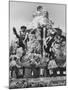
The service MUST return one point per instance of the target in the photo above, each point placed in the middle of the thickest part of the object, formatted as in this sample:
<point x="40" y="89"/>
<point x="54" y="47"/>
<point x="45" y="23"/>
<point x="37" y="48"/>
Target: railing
<point x="36" y="72"/>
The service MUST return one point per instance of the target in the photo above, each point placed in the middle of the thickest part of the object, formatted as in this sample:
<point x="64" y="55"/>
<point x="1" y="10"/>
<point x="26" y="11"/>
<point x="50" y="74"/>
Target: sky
<point x="20" y="13"/>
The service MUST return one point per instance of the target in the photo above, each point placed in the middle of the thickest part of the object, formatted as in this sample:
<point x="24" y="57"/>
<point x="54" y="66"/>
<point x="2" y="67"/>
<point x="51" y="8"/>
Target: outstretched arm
<point x="15" y="32"/>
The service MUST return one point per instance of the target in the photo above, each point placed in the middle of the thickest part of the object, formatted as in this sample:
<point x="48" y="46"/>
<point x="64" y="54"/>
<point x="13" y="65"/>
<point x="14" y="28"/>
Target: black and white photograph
<point x="37" y="44"/>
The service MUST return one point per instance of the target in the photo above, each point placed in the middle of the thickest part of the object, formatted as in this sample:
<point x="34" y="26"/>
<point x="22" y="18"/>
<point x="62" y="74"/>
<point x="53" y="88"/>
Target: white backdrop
<point x="4" y="43"/>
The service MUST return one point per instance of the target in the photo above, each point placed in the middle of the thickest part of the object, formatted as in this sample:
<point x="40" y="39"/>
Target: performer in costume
<point x="21" y="37"/>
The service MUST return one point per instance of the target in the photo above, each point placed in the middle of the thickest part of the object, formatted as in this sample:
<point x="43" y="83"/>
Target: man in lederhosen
<point x="21" y="37"/>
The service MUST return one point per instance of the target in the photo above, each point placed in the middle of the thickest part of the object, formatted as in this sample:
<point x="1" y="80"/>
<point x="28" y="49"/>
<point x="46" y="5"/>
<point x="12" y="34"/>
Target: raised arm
<point x="15" y="32"/>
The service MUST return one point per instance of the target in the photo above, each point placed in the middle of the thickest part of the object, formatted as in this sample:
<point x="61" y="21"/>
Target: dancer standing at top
<point x="40" y="18"/>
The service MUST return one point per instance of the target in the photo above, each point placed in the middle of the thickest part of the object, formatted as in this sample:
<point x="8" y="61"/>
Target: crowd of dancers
<point x="37" y="44"/>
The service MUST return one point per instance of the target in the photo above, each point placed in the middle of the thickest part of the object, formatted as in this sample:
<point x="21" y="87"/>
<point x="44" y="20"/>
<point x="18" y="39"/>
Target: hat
<point x="59" y="31"/>
<point x="39" y="7"/>
<point x="23" y="27"/>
